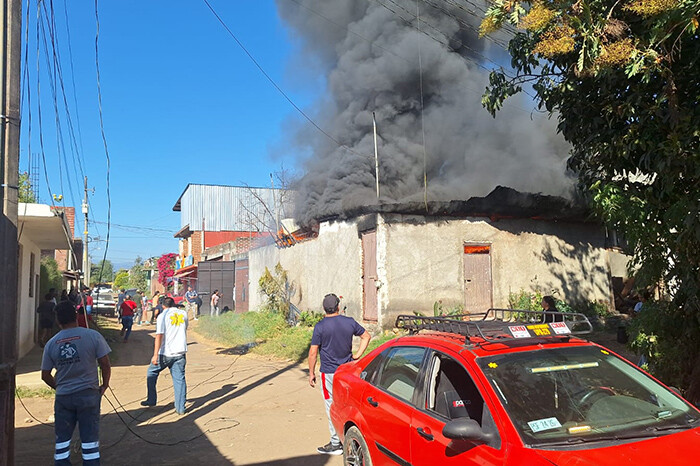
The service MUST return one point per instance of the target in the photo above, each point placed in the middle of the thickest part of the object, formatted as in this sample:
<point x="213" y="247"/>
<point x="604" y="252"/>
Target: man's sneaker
<point x="330" y="449"/>
<point x="146" y="403"/>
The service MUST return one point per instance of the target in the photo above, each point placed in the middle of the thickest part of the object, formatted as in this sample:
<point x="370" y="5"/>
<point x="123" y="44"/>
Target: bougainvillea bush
<point x="166" y="269"/>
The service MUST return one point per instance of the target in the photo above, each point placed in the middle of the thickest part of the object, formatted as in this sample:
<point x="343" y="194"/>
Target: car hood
<point x="669" y="450"/>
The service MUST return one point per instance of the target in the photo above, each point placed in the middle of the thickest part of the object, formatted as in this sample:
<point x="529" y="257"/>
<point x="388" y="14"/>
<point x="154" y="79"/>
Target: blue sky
<point x="181" y="104"/>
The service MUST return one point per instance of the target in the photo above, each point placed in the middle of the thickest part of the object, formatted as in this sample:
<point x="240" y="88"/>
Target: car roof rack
<point x="499" y="325"/>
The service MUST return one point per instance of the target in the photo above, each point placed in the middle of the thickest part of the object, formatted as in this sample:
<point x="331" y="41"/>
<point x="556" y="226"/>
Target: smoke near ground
<point x="467" y="152"/>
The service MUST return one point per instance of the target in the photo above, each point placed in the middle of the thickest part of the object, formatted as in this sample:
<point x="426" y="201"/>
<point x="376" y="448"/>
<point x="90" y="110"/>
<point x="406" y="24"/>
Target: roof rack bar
<point x="497" y="324"/>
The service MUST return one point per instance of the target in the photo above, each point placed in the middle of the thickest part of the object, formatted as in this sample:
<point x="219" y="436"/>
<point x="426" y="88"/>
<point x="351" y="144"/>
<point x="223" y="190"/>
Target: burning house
<point x="391" y="259"/>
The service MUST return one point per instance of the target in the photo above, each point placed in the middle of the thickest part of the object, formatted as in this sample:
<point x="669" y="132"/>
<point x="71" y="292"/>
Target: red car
<point x="501" y="391"/>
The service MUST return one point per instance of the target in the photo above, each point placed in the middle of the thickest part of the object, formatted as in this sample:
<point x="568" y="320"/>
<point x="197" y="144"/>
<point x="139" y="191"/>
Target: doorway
<point x="478" y="296"/>
<point x="369" y="275"/>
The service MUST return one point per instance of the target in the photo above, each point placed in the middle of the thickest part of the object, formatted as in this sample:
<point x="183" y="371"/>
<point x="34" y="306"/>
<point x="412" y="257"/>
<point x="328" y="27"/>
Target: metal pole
<point x="10" y="50"/>
<point x="376" y="154"/>
<point x="86" y="257"/>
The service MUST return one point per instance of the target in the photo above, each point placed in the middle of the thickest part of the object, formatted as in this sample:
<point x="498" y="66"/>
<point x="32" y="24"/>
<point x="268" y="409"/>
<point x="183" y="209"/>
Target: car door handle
<point x="426" y="435"/>
<point x="371" y="401"/>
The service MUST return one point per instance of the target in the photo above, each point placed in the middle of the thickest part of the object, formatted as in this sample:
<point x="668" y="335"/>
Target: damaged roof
<point x="502" y="202"/>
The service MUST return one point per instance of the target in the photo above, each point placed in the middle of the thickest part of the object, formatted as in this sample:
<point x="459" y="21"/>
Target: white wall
<point x="330" y="263"/>
<point x="26" y="305"/>
<point x="425" y="260"/>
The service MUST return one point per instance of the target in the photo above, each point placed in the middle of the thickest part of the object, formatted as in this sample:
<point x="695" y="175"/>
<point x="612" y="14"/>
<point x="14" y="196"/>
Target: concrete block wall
<point x="330" y="263"/>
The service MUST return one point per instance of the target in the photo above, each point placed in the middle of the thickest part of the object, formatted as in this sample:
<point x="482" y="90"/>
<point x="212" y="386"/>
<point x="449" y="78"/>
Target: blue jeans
<point x="176" y="364"/>
<point x="82" y="407"/>
<point x="127" y="323"/>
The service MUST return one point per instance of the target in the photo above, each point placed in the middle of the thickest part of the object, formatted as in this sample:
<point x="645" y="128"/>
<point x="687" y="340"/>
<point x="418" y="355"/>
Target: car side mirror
<point x="466" y="429"/>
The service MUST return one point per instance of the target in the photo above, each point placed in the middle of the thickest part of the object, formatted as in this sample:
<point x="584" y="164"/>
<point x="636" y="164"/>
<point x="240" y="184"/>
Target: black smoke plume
<point x="370" y="51"/>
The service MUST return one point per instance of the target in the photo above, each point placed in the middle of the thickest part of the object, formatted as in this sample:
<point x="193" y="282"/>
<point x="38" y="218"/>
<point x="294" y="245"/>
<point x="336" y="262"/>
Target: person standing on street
<point x="145" y="303"/>
<point x="332" y="338"/>
<point x="75" y="353"/>
<point x="47" y="318"/>
<point x="214" y="309"/>
<point x="120" y="299"/>
<point x="192" y="298"/>
<point x="155" y="306"/>
<point x="127" y="311"/>
<point x="169" y="350"/>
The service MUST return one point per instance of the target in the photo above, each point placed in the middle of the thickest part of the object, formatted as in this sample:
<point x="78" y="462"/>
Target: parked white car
<point x="103" y="300"/>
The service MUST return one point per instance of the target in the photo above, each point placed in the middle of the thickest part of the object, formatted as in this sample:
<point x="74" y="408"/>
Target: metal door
<point x="369" y="275"/>
<point x="477" y="278"/>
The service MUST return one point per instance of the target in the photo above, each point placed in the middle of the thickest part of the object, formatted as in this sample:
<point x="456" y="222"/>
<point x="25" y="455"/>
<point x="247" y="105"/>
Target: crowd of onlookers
<point x="131" y="307"/>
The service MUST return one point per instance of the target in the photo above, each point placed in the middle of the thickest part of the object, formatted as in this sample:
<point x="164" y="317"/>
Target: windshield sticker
<point x="493" y="365"/>
<point x="604" y="352"/>
<point x="560" y="328"/>
<point x="566" y="367"/>
<point x="519" y="331"/>
<point x="544" y="424"/>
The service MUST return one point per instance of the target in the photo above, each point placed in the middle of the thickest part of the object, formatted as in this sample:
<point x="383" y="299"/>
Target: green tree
<point x="137" y="276"/>
<point x="121" y="279"/>
<point x="100" y="274"/>
<point x="621" y="77"/>
<point x="26" y="191"/>
<point x="51" y="277"/>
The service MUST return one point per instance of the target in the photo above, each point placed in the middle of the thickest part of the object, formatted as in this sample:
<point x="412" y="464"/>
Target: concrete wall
<point x="421" y="261"/>
<point x="331" y="263"/>
<point x="425" y="260"/>
<point x="26" y="305"/>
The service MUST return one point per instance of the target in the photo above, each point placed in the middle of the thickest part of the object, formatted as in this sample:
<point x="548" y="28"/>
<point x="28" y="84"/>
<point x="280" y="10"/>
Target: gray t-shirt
<point x="74" y="353"/>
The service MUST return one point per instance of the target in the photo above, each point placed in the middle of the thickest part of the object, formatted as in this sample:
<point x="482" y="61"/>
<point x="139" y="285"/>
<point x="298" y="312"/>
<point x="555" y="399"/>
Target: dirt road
<point x="241" y="410"/>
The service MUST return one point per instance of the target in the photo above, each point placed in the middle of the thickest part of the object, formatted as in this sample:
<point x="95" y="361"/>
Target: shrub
<point x="310" y="318"/>
<point x="275" y="286"/>
<point x="664" y="334"/>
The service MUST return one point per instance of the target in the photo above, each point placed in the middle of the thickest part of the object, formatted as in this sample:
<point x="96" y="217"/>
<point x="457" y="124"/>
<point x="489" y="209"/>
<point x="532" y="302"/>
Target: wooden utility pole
<point x="86" y="257"/>
<point x="10" y="50"/>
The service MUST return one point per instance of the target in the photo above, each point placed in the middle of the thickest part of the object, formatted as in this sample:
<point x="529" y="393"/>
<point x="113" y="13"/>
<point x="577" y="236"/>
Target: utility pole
<point x="10" y="51"/>
<point x="376" y="153"/>
<point x="86" y="257"/>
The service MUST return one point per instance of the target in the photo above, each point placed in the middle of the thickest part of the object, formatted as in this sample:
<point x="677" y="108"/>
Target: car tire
<point x="355" y="451"/>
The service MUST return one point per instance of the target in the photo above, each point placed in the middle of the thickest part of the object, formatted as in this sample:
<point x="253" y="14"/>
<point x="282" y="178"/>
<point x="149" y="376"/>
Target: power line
<point x="276" y="86"/>
<point x="104" y="138"/>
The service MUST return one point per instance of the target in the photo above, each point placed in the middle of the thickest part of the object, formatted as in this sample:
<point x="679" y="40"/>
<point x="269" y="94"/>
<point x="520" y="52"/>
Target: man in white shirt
<point x="169" y="352"/>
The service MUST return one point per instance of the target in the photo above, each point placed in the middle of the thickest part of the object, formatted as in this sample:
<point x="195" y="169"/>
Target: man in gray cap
<point x="333" y="336"/>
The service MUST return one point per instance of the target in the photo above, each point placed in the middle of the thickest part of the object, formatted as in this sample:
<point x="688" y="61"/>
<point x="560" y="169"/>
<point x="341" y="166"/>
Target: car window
<point x="372" y="369"/>
<point x="451" y="391"/>
<point x="579" y="394"/>
<point x="399" y="375"/>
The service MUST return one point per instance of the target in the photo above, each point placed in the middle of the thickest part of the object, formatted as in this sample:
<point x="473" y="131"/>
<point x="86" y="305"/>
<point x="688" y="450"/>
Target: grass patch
<point x="269" y="333"/>
<point x="381" y="339"/>
<point x="110" y="331"/>
<point x="27" y="392"/>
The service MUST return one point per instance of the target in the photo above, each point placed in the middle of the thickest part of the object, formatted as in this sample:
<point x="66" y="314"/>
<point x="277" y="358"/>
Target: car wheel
<point x="355" y="451"/>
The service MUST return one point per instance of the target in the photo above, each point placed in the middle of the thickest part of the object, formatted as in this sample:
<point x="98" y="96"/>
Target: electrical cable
<point x="276" y="86"/>
<point x="104" y="138"/>
<point x="29" y="412"/>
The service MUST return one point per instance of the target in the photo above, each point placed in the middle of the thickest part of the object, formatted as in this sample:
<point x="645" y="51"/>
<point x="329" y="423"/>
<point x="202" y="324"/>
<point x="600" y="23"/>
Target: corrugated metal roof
<point x="232" y="208"/>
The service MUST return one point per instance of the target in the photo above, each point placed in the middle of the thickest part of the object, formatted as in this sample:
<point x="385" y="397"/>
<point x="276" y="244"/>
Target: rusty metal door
<point x="477" y="278"/>
<point x="369" y="275"/>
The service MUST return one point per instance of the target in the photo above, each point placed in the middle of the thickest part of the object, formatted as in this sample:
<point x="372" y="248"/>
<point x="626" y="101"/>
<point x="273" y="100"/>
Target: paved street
<point x="241" y="409"/>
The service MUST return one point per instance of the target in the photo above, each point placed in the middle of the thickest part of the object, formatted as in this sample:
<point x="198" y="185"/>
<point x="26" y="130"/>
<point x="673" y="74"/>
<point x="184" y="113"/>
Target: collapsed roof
<point x="502" y="202"/>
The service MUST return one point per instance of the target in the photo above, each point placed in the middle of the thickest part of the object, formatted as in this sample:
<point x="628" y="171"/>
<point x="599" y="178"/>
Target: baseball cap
<point x="330" y="302"/>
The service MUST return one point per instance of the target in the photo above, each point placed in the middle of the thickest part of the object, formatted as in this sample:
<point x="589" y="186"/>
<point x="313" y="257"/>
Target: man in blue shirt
<point x="193" y="301"/>
<point x="332" y="338"/>
<point x="75" y="353"/>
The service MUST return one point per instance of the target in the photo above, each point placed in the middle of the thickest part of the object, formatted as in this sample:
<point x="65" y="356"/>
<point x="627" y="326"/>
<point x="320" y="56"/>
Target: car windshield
<point x="578" y="394"/>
